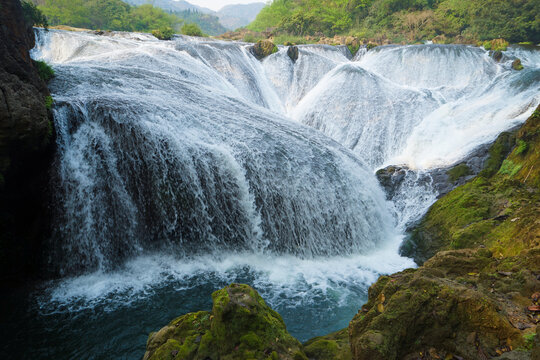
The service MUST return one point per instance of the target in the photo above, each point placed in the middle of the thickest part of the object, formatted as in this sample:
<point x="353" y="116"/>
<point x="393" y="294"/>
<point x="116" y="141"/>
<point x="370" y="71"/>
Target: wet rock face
<point x="444" y="180"/>
<point x="25" y="141"/>
<point x="460" y="304"/>
<point x="240" y="326"/>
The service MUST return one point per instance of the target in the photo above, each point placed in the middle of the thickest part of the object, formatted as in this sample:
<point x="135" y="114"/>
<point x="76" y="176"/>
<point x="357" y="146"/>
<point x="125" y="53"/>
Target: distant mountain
<point x="172" y="5"/>
<point x="209" y="23"/>
<point x="235" y="16"/>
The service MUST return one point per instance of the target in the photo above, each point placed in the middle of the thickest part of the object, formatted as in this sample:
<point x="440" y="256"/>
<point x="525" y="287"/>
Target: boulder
<point x="516" y="65"/>
<point x="497" y="56"/>
<point x="240" y="326"/>
<point x="263" y="48"/>
<point x="292" y="52"/>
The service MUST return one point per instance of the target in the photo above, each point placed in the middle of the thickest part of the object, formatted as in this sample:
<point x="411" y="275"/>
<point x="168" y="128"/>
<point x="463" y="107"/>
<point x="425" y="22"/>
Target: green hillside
<point x="106" y="15"/>
<point x="404" y="20"/>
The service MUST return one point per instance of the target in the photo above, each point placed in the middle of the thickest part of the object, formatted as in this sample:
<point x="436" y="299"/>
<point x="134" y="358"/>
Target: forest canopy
<point x="106" y="15"/>
<point x="404" y="20"/>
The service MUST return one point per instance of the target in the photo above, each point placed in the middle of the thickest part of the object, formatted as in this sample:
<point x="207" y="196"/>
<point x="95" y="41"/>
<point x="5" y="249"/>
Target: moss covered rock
<point x="334" y="346"/>
<point x="462" y="303"/>
<point x="240" y="326"/>
<point x="263" y="48"/>
<point x="498" y="209"/>
<point x="516" y="65"/>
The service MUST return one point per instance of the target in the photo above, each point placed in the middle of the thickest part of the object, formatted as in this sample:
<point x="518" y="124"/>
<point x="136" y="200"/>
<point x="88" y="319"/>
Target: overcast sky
<point x="218" y="4"/>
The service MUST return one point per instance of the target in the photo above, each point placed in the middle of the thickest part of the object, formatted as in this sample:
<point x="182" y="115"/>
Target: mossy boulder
<point x="263" y="48"/>
<point x="334" y="346"/>
<point x="498" y="209"/>
<point x="516" y="65"/>
<point x="240" y="326"/>
<point x="462" y="303"/>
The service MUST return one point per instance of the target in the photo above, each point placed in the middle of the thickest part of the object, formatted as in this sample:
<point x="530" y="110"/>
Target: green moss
<point x="497" y="153"/>
<point x="509" y="168"/>
<point x="522" y="147"/>
<point x="45" y="72"/>
<point x="251" y="340"/>
<point x="516" y="65"/>
<point x="458" y="172"/>
<point x="264" y="48"/>
<point x="49" y="102"/>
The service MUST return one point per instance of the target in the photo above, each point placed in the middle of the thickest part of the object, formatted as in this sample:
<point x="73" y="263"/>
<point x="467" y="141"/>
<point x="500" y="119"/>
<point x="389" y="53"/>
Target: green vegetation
<point x="107" y="15"/>
<point x="163" y="33"/>
<point x="45" y="72"/>
<point x="496" y="45"/>
<point x="209" y="24"/>
<point x="192" y="30"/>
<point x="33" y="15"/>
<point x="404" y="21"/>
<point x="48" y="102"/>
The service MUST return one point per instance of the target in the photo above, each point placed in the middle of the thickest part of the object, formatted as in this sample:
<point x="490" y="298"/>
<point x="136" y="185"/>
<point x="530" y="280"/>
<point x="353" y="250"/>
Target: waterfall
<point x="175" y="147"/>
<point x="186" y="165"/>
<point x="196" y="147"/>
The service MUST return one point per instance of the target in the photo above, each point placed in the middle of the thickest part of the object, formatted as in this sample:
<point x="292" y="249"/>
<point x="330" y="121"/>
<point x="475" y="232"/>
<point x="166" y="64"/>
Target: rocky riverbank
<point x="477" y="297"/>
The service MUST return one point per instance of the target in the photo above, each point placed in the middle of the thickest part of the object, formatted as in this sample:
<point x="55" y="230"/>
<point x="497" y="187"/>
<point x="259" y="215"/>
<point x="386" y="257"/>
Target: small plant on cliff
<point x="192" y="30"/>
<point x="165" y="33"/>
<point x="33" y="16"/>
<point x="45" y="72"/>
<point x="48" y="102"/>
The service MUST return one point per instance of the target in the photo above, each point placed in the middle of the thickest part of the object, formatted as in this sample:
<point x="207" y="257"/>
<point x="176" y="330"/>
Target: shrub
<point x="33" y="16"/>
<point x="165" y="33"/>
<point x="45" y="72"/>
<point x="192" y="30"/>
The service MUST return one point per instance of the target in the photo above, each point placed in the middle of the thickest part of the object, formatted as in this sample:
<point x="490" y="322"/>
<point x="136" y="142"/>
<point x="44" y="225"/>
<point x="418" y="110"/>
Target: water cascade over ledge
<point x="185" y="165"/>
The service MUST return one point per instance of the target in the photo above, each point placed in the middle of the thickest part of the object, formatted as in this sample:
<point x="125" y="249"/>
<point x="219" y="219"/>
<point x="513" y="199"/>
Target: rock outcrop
<point x="292" y="52"/>
<point x="25" y="145"/>
<point x="462" y="304"/>
<point x="240" y="326"/>
<point x="479" y="302"/>
<point x="498" y="209"/>
<point x="263" y="48"/>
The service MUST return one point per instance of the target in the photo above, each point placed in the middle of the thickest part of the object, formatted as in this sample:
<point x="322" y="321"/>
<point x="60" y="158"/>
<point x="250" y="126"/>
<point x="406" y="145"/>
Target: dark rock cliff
<point x="25" y="147"/>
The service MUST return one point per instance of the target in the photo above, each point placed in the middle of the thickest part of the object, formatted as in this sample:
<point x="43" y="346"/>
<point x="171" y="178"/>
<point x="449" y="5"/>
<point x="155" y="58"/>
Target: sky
<point x="218" y="4"/>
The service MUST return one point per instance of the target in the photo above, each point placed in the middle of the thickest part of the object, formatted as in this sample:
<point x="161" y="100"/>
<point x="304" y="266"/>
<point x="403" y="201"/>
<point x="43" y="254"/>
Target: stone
<point x="263" y="48"/>
<point x="292" y="52"/>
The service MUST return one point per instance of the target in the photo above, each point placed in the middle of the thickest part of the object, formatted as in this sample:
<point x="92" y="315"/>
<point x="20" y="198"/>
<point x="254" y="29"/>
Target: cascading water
<point x="186" y="165"/>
